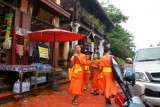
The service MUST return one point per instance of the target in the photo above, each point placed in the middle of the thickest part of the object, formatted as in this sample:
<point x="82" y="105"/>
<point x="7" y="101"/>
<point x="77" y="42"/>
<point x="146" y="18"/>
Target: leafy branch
<point x="95" y="22"/>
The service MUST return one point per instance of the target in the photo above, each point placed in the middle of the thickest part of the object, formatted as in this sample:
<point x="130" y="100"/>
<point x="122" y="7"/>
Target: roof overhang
<point x="94" y="7"/>
<point x="52" y="7"/>
<point x="87" y="28"/>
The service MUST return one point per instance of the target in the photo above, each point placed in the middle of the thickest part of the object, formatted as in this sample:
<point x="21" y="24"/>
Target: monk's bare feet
<point x="75" y="101"/>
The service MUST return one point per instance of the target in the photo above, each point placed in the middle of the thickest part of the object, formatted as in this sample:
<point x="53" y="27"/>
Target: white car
<point x="146" y="65"/>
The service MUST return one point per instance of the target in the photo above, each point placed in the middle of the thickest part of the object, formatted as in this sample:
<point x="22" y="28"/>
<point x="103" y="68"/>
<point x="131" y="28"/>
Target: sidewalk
<point x="60" y="98"/>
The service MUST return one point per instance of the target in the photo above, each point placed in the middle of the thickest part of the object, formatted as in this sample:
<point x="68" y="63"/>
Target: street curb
<point x="32" y="92"/>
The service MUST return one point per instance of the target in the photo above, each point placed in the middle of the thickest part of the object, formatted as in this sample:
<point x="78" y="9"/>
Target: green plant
<point x="120" y="60"/>
<point x="64" y="68"/>
<point x="70" y="53"/>
<point x="95" y="22"/>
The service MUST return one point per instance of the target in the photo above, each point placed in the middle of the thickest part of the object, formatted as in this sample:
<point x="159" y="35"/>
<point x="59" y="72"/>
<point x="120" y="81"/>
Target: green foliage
<point x="64" y="68"/>
<point x="96" y="22"/>
<point x="119" y="49"/>
<point x="114" y="13"/>
<point x="120" y="39"/>
<point x="121" y="61"/>
<point x="71" y="52"/>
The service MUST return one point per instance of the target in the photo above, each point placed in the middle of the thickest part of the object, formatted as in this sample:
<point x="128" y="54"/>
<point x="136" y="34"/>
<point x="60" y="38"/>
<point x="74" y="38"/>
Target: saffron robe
<point x="108" y="79"/>
<point x="77" y="82"/>
<point x="94" y="73"/>
<point x="87" y="72"/>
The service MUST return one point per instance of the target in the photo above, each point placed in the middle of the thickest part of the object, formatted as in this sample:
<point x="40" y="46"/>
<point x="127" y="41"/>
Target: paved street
<point x="61" y="98"/>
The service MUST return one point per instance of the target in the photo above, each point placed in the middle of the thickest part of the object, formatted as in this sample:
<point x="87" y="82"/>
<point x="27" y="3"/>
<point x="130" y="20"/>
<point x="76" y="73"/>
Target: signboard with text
<point x="43" y="52"/>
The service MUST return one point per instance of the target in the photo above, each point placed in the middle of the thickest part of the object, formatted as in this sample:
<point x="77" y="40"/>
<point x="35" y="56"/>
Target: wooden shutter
<point x="18" y="14"/>
<point x="26" y="21"/>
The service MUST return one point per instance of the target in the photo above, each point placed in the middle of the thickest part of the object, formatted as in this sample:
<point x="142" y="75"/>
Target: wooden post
<point x="14" y="47"/>
<point x="21" y="80"/>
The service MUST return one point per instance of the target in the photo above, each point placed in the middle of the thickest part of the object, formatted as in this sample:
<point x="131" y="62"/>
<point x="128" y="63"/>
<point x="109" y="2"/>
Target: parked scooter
<point x="126" y="82"/>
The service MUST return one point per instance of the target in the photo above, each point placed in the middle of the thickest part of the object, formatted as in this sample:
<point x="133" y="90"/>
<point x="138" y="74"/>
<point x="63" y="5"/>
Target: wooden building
<point x="17" y="19"/>
<point x="88" y="18"/>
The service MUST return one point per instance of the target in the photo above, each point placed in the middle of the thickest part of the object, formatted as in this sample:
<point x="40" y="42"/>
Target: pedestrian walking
<point x="128" y="63"/>
<point x="78" y="60"/>
<point x="87" y="73"/>
<point x="108" y="79"/>
<point x="95" y="74"/>
<point x="100" y="83"/>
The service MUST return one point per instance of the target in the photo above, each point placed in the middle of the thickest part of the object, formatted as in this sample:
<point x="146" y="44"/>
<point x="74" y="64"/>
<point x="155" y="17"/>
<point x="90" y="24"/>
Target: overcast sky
<point x="144" y="20"/>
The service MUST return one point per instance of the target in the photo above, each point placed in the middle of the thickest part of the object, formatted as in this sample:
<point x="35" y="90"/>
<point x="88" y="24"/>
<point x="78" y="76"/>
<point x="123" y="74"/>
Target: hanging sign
<point x="8" y="20"/>
<point x="20" y="50"/>
<point x="22" y="32"/>
<point x="43" y="52"/>
<point x="7" y="43"/>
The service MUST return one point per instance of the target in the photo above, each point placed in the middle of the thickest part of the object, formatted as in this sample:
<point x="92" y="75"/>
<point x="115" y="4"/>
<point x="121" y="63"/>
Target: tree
<point x="120" y="39"/>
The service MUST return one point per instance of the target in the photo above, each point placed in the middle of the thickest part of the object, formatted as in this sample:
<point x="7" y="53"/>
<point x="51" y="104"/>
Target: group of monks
<point x="99" y="71"/>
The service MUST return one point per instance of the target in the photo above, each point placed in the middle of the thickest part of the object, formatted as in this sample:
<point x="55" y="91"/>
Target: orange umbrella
<point x="54" y="35"/>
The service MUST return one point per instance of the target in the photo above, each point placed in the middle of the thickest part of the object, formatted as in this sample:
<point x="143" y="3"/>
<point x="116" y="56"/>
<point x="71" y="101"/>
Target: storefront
<point x="6" y="25"/>
<point x="89" y="19"/>
<point x="17" y="19"/>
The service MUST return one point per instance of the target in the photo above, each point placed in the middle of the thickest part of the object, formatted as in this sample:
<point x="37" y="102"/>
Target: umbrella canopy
<point x="54" y="35"/>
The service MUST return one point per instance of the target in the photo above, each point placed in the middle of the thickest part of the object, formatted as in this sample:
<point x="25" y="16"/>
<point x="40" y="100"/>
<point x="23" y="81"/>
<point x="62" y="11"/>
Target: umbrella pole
<point x="54" y="80"/>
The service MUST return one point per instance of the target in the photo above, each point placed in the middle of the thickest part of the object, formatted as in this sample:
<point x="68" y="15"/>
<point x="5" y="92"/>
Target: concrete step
<point x="6" y="81"/>
<point x="57" y="69"/>
<point x="59" y="75"/>
<point x="7" y="87"/>
<point x="33" y="92"/>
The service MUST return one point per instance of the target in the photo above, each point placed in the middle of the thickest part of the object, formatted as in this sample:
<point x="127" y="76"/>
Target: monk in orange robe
<point x="108" y="79"/>
<point x="100" y="83"/>
<point x="95" y="73"/>
<point x="87" y="73"/>
<point x="78" y="60"/>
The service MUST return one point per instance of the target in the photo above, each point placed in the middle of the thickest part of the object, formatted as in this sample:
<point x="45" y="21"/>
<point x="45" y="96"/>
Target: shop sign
<point x="20" y="50"/>
<point x="43" y="52"/>
<point x="8" y="20"/>
<point x="7" y="43"/>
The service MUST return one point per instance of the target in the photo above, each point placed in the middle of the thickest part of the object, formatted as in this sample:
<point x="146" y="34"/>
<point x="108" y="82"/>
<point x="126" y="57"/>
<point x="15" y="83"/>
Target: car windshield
<point x="149" y="54"/>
